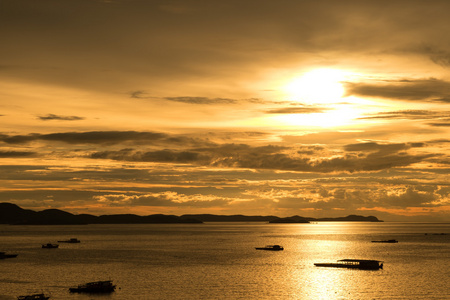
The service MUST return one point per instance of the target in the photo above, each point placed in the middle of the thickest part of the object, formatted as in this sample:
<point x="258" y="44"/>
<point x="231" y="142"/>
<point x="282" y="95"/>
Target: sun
<point x="319" y="86"/>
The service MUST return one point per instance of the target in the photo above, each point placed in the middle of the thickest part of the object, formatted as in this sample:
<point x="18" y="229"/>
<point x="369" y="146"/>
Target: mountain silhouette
<point x="13" y="214"/>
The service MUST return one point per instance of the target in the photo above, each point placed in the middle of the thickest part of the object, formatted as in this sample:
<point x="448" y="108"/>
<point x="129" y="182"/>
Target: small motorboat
<point x="50" y="246"/>
<point x="94" y="287"/>
<point x="34" y="297"/>
<point x="362" y="264"/>
<point x="72" y="240"/>
<point x="4" y="255"/>
<point x="270" y="248"/>
<point x="386" y="241"/>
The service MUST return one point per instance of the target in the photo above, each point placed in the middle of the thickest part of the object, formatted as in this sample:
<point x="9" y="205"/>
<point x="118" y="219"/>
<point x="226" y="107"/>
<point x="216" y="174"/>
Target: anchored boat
<point x="34" y="297"/>
<point x="50" y="246"/>
<point x="386" y="241"/>
<point x="4" y="255"/>
<point x="362" y="264"/>
<point x="72" y="240"/>
<point x="270" y="248"/>
<point x="94" y="287"/>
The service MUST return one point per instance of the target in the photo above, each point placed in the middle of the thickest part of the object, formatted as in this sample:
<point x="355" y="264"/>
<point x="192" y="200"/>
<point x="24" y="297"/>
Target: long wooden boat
<point x="270" y="248"/>
<point x="362" y="264"/>
<point x="386" y="241"/>
<point x="72" y="241"/>
<point x="50" y="246"/>
<point x="34" y="297"/>
<point x="4" y="255"/>
<point x="94" y="287"/>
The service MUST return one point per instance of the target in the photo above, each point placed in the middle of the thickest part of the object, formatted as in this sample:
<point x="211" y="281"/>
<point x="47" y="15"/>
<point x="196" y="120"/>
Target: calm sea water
<point x="219" y="261"/>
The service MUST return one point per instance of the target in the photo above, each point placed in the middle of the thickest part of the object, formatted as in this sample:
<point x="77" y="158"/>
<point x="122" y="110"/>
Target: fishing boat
<point x="4" y="255"/>
<point x="386" y="241"/>
<point x="362" y="264"/>
<point x="270" y="248"/>
<point x="94" y="287"/>
<point x="34" y="297"/>
<point x="50" y="246"/>
<point x="72" y="240"/>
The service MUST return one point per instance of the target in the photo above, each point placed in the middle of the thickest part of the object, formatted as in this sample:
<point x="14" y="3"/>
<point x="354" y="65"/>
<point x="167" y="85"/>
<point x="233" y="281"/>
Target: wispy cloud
<point x="432" y="89"/>
<point x="299" y="110"/>
<point x="59" y="117"/>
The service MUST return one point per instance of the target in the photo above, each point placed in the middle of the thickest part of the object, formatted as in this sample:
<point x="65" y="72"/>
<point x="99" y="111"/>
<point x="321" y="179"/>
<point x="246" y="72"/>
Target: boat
<point x="362" y="264"/>
<point x="72" y="240"/>
<point x="34" y="297"/>
<point x="49" y="246"/>
<point x="386" y="241"/>
<point x="270" y="248"/>
<point x="4" y="255"/>
<point x="94" y="287"/>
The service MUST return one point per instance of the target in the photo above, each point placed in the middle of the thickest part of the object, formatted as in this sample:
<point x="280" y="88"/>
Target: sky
<point x="314" y="108"/>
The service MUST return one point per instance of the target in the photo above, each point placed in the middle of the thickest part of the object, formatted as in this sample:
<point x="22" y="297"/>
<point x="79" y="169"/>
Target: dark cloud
<point x="104" y="137"/>
<point x="386" y="148"/>
<point x="18" y="154"/>
<point x="62" y="118"/>
<point x="407" y="90"/>
<point x="150" y="156"/>
<point x="379" y="157"/>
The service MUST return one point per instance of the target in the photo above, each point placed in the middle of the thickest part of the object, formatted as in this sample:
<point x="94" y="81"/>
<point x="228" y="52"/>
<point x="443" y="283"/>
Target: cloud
<point x="434" y="90"/>
<point x="150" y="156"/>
<point x="379" y="157"/>
<point x="57" y="117"/>
<point x="140" y="94"/>
<point x="104" y="137"/>
<point x="410" y="115"/>
<point x="438" y="56"/>
<point x="18" y="154"/>
<point x="201" y="100"/>
<point x="167" y="198"/>
<point x="298" y="110"/>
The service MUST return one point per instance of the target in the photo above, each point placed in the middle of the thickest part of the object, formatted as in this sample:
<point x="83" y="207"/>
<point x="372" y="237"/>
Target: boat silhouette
<point x="4" y="255"/>
<point x="50" y="246"/>
<point x="94" y="287"/>
<point x="385" y="241"/>
<point x="362" y="264"/>
<point x="270" y="248"/>
<point x="72" y="240"/>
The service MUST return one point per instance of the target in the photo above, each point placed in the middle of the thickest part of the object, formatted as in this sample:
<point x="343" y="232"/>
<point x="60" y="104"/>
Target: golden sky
<point x="312" y="108"/>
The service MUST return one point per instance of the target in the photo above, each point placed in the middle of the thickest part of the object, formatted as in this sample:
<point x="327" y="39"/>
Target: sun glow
<point x="317" y="86"/>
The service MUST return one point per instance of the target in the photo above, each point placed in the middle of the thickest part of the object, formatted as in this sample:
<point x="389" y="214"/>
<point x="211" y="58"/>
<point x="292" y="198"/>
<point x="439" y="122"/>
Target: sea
<point x="219" y="260"/>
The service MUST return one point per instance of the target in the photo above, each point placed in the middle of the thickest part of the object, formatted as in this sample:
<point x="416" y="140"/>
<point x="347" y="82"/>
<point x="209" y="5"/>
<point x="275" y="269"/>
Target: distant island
<point x="14" y="215"/>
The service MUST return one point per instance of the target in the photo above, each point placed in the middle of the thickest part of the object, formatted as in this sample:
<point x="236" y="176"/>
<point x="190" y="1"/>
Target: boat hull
<point x="94" y="287"/>
<point x="8" y="256"/>
<point x="92" y="291"/>
<point x="270" y="249"/>
<point x="388" y="241"/>
<point x="337" y="265"/>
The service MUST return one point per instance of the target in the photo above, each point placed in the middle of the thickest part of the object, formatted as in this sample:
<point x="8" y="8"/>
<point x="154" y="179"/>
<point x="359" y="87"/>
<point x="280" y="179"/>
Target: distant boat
<point x="270" y="248"/>
<point x="4" y="255"/>
<point x="94" y="287"/>
<point x="362" y="264"/>
<point x="49" y="246"/>
<point x="386" y="241"/>
<point x="72" y="240"/>
<point x="34" y="297"/>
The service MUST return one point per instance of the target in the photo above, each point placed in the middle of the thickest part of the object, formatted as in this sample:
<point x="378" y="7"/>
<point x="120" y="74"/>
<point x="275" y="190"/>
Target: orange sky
<point x="311" y="108"/>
